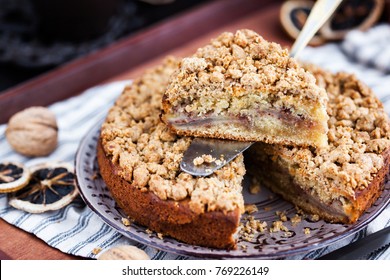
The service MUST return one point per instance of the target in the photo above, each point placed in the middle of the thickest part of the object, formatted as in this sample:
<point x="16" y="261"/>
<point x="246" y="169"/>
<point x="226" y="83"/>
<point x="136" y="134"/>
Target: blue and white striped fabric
<point x="76" y="230"/>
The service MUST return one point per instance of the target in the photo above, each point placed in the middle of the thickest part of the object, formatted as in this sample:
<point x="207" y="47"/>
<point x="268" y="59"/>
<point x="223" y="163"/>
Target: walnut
<point x="33" y="132"/>
<point x="124" y="252"/>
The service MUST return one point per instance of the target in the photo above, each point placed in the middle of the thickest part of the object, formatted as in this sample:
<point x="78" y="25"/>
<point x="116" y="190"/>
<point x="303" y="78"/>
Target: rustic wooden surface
<point x="126" y="59"/>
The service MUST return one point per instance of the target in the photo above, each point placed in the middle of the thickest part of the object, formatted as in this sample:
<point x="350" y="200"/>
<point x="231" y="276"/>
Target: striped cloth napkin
<point x="77" y="230"/>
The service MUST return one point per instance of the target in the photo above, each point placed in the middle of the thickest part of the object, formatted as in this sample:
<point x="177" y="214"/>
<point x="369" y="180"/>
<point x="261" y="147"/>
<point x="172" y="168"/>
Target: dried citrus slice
<point x="352" y="14"/>
<point x="293" y="16"/>
<point x="13" y="176"/>
<point x="51" y="187"/>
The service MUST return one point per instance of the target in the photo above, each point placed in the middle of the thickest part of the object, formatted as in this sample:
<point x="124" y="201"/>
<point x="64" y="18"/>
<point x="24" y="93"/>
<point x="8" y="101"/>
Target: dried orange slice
<point x="13" y="176"/>
<point x="351" y="15"/>
<point x="293" y="16"/>
<point x="51" y="187"/>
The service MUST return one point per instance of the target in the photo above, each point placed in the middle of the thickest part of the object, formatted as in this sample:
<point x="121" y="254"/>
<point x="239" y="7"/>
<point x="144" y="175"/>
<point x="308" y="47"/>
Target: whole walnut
<point x="33" y="132"/>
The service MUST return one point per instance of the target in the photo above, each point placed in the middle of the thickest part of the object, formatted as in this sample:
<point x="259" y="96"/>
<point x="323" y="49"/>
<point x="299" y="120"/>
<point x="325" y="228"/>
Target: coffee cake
<point x="139" y="156"/>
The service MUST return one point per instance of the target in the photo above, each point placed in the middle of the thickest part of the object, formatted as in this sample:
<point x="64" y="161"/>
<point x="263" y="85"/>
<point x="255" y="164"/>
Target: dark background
<point x="39" y="35"/>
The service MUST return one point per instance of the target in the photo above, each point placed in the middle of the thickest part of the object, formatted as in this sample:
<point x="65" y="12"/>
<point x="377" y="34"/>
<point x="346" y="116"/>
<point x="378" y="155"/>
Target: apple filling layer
<point x="264" y="124"/>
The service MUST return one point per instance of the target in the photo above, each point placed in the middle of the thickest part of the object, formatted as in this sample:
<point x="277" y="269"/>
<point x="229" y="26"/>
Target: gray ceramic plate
<point x="265" y="245"/>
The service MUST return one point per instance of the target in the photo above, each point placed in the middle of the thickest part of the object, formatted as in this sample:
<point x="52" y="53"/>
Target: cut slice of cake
<point x="242" y="87"/>
<point x="342" y="180"/>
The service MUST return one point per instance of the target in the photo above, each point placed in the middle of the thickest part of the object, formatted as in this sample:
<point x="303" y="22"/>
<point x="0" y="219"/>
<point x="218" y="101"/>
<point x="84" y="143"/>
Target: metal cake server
<point x="227" y="150"/>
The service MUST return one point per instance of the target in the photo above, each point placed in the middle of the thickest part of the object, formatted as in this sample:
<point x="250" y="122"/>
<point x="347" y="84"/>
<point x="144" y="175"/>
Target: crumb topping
<point x="126" y="222"/>
<point x="204" y="159"/>
<point x="251" y="227"/>
<point x="148" y="154"/>
<point x="254" y="187"/>
<point x="96" y="250"/>
<point x="296" y="219"/>
<point x="359" y="132"/>
<point x="278" y="226"/>
<point x="251" y="208"/>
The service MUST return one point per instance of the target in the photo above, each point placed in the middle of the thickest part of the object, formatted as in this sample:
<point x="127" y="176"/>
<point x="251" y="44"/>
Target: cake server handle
<point x="224" y="151"/>
<point x="319" y="14"/>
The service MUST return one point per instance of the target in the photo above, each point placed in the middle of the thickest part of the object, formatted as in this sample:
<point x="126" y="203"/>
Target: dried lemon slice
<point x="13" y="177"/>
<point x="51" y="187"/>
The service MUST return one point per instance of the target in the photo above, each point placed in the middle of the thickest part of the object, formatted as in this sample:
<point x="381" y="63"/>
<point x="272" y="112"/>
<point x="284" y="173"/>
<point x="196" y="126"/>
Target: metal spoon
<point x="225" y="151"/>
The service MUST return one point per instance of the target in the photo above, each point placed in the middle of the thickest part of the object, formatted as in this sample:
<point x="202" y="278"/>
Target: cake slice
<point x="242" y="87"/>
<point x="342" y="180"/>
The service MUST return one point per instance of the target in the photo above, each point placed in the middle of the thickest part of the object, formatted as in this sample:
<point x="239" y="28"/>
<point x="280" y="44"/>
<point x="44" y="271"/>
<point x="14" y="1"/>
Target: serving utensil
<point x="224" y="151"/>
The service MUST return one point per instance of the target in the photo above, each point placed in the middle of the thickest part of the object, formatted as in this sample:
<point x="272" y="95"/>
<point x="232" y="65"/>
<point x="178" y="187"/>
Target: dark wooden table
<point x="126" y="59"/>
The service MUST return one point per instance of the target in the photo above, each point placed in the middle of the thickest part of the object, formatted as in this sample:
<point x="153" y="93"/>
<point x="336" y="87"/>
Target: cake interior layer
<point x="270" y="126"/>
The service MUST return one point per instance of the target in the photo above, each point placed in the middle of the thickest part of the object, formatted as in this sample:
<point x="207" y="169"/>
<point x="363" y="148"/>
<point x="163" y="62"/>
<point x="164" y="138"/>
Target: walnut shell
<point x="33" y="132"/>
<point x="124" y="252"/>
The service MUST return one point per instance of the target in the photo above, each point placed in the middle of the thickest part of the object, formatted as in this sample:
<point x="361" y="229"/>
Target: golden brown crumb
<point x="296" y="220"/>
<point x="95" y="175"/>
<point x="299" y="211"/>
<point x="282" y="216"/>
<point x="208" y="158"/>
<point x="250" y="208"/>
<point x="307" y="230"/>
<point x="251" y="227"/>
<point x="314" y="218"/>
<point x="96" y="250"/>
<point x="126" y="222"/>
<point x="160" y="235"/>
<point x="254" y="187"/>
<point x="278" y="226"/>
<point x="204" y="159"/>
<point x="198" y="161"/>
